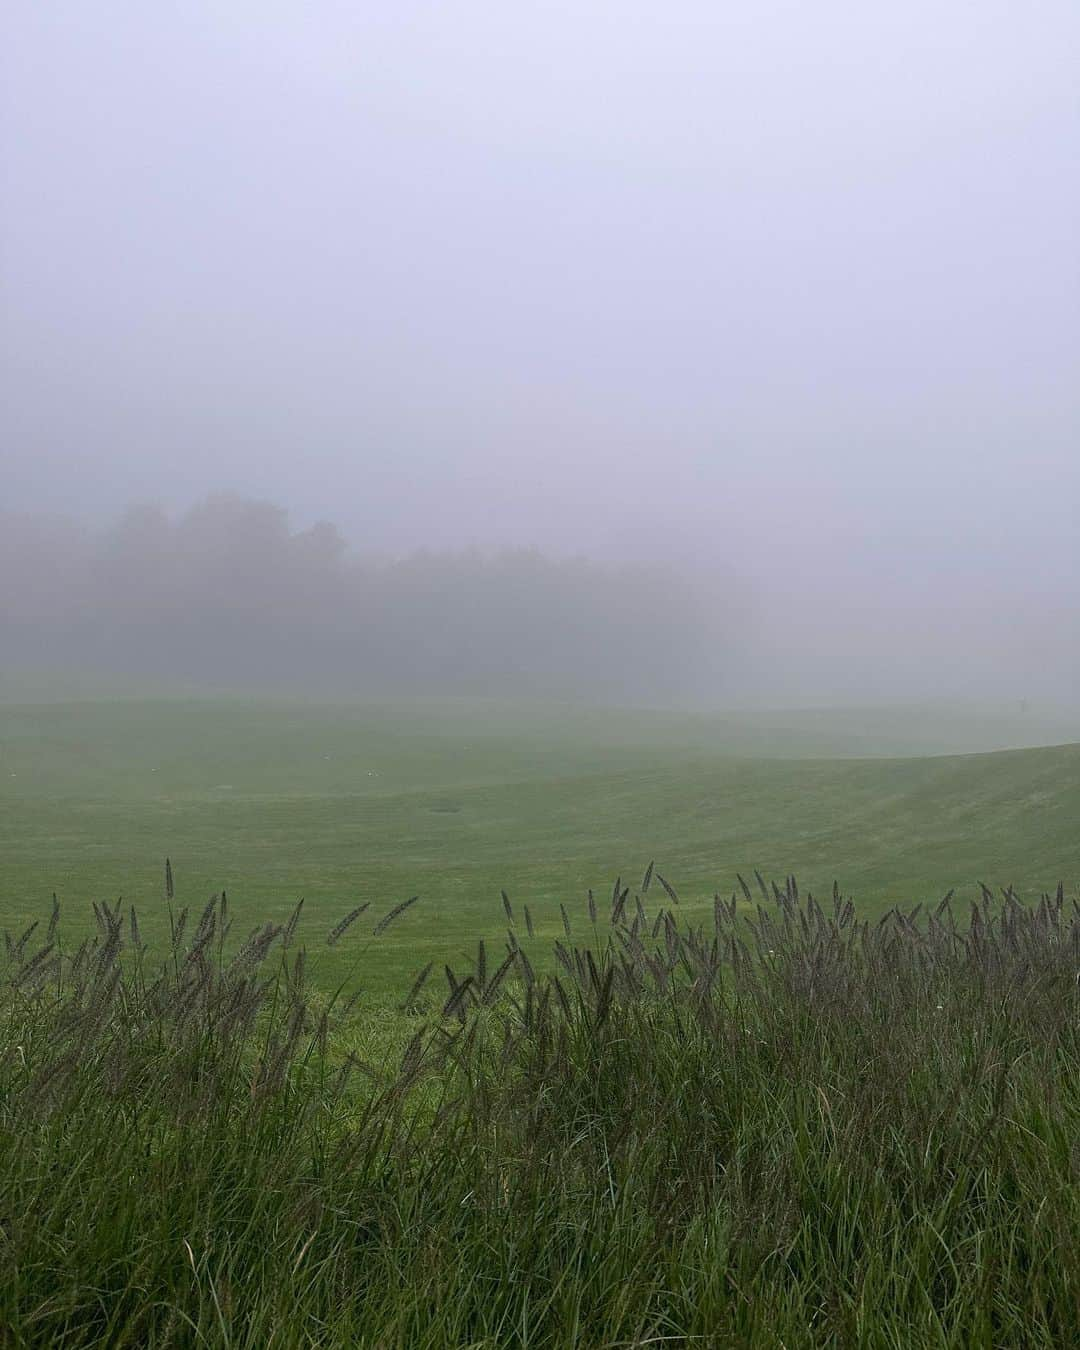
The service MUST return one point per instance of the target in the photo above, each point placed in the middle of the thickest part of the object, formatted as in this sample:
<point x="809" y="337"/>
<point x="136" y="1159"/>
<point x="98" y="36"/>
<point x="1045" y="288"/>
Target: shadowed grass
<point x="795" y="1129"/>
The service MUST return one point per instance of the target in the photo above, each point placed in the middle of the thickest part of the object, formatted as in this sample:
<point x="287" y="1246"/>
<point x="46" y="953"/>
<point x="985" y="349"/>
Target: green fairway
<point x="453" y="801"/>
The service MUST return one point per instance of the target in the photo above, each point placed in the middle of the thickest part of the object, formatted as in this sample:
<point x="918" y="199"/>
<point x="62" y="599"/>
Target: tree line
<point x="229" y="594"/>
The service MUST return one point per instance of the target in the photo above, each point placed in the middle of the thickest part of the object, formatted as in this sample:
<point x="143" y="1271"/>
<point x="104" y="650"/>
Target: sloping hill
<point x="343" y="806"/>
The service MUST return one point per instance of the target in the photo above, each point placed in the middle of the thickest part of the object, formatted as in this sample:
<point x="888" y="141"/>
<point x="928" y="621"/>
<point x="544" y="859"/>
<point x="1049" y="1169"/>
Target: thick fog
<point x="775" y="305"/>
<point x="229" y="597"/>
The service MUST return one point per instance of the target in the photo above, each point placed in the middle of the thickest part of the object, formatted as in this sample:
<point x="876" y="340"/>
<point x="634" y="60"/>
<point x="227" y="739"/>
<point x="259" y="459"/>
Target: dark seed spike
<point x="342" y="926"/>
<point x="417" y="985"/>
<point x="178" y="931"/>
<point x="294" y="919"/>
<point x="455" y="1003"/>
<point x="411" y="1058"/>
<point x="20" y="946"/>
<point x="388" y="918"/>
<point x="668" y="888"/>
<point x="498" y="977"/>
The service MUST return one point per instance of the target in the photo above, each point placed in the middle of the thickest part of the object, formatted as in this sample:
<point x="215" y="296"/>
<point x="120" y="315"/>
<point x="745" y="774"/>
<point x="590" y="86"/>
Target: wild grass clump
<point x="785" y="1126"/>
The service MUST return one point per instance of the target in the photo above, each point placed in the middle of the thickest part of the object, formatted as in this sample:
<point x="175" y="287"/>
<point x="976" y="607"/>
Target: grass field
<point x="798" y="1130"/>
<point x="453" y="801"/>
<point x="792" y="1128"/>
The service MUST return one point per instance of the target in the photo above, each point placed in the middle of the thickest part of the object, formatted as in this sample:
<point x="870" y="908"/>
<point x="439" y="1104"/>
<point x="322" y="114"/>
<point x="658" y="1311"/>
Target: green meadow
<point x="456" y="801"/>
<point x="684" y="1124"/>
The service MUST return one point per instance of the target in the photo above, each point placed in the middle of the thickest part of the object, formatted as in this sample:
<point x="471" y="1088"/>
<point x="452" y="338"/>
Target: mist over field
<point x="539" y="673"/>
<point x="229" y="596"/>
<point x="635" y="354"/>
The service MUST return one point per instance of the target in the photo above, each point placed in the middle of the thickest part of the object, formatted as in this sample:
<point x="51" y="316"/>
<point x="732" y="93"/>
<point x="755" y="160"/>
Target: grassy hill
<point x="850" y="1135"/>
<point x="457" y="800"/>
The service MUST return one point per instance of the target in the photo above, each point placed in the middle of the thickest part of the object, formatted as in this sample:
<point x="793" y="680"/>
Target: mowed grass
<point x="455" y="801"/>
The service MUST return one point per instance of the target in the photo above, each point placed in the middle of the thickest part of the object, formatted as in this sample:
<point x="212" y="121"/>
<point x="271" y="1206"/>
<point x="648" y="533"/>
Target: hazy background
<point x="777" y="303"/>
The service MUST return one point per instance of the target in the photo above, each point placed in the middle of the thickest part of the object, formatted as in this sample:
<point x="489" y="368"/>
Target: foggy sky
<point x="781" y="290"/>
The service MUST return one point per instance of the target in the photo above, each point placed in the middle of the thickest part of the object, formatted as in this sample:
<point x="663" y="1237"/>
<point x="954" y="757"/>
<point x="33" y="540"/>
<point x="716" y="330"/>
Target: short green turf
<point x="454" y="801"/>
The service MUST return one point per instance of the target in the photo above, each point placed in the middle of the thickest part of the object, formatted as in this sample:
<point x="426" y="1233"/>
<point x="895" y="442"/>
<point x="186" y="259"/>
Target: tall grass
<point x="786" y="1127"/>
